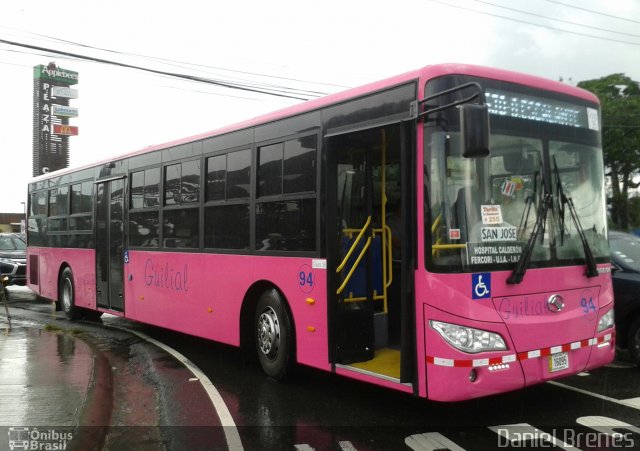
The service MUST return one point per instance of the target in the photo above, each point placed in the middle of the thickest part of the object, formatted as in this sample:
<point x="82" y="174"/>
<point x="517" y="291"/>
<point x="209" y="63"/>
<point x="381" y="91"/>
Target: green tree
<point x="620" y="101"/>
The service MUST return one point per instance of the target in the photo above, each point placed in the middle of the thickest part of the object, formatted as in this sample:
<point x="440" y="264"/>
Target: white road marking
<point x="620" y="365"/>
<point x="430" y="441"/>
<point x="226" y="420"/>
<point x="606" y="425"/>
<point x="632" y="402"/>
<point x="627" y="403"/>
<point x="346" y="445"/>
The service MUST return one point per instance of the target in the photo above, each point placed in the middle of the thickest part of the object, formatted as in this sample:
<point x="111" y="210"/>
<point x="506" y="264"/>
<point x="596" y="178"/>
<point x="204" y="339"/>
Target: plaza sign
<point x="51" y="115"/>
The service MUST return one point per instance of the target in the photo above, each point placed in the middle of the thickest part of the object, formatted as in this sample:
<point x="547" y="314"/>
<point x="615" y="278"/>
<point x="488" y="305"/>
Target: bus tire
<point x="66" y="295"/>
<point x="273" y="335"/>
<point x="633" y="341"/>
<point x="92" y="315"/>
<point x="49" y="301"/>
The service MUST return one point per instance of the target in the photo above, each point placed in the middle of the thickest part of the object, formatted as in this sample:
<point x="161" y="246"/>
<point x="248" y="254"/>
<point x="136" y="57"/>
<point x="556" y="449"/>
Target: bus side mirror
<point x="5" y="281"/>
<point x="474" y="127"/>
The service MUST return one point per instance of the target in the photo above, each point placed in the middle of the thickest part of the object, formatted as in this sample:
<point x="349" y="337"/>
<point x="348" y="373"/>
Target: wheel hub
<point x="268" y="332"/>
<point x="67" y="294"/>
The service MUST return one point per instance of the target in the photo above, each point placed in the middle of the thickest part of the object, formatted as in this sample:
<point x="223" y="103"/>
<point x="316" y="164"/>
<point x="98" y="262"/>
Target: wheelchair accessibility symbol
<point x="481" y="285"/>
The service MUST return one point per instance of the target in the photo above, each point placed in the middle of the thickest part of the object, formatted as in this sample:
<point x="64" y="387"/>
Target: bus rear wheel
<point x="66" y="295"/>
<point x="273" y="335"/>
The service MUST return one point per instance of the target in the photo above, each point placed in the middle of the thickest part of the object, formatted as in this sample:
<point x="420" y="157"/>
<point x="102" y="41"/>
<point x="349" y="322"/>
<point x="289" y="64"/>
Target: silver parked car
<point x="13" y="258"/>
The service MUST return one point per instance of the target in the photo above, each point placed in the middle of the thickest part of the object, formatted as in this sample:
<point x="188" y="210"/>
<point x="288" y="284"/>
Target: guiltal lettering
<point x="165" y="276"/>
<point x="522" y="308"/>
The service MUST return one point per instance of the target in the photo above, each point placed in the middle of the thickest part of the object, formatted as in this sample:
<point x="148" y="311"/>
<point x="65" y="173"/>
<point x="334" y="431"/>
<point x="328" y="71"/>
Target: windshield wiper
<point x="523" y="263"/>
<point x="592" y="267"/>
<point x="529" y="201"/>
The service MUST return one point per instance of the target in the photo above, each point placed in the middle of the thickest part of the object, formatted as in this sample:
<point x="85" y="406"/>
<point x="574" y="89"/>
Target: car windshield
<point x="625" y="249"/>
<point x="19" y="244"/>
<point x="482" y="211"/>
<point x="9" y="243"/>
<point x="489" y="204"/>
<point x="579" y="169"/>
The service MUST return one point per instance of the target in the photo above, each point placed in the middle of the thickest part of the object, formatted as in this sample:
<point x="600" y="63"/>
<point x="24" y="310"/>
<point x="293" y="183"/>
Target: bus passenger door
<point x="110" y="244"/>
<point x="363" y="205"/>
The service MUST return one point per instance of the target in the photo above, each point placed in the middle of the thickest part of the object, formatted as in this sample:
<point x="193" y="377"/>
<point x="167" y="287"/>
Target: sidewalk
<point x="65" y="387"/>
<point x="50" y="383"/>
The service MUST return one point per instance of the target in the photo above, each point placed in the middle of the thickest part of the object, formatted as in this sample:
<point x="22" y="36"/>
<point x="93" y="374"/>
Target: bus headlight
<point x="606" y="321"/>
<point x="468" y="339"/>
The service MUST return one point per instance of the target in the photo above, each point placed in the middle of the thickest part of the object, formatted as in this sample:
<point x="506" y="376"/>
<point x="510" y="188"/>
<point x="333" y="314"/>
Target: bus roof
<point x="425" y="73"/>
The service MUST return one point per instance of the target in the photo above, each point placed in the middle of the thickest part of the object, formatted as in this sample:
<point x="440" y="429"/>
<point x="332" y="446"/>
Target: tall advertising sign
<point x="51" y="114"/>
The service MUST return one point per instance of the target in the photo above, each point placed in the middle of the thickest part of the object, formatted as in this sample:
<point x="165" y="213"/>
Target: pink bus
<point x="441" y="233"/>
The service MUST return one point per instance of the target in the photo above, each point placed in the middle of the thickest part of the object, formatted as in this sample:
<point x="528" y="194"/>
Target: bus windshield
<point x="482" y="211"/>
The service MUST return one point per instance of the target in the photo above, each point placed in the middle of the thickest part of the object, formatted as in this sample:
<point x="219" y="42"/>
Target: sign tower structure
<point x="51" y="112"/>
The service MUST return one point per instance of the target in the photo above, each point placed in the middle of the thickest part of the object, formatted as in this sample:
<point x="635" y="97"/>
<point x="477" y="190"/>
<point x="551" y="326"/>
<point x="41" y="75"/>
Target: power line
<point x="592" y="11"/>
<point x="50" y="55"/>
<point x="261" y="87"/>
<point x="272" y="92"/>
<point x="557" y="20"/>
<point x="45" y="54"/>
<point x="172" y="62"/>
<point x="6" y="63"/>
<point x="209" y="93"/>
<point x="534" y="24"/>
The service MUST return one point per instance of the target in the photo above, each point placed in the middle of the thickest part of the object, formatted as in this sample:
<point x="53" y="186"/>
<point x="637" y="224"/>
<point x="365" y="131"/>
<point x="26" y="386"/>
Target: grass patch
<point x="53" y="328"/>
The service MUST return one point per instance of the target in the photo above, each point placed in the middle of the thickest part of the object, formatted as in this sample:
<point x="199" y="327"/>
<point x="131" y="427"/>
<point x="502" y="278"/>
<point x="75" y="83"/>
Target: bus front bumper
<point x="453" y="375"/>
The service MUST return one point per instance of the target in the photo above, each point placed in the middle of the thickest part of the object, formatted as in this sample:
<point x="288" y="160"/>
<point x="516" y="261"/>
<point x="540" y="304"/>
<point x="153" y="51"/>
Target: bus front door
<point x="109" y="241"/>
<point x="363" y="202"/>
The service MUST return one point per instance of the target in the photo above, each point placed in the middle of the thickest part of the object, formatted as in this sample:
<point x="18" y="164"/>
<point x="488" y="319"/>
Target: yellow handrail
<point x="355" y="265"/>
<point x="389" y="256"/>
<point x="434" y="251"/>
<point x="448" y="246"/>
<point x="436" y="223"/>
<point x="354" y="245"/>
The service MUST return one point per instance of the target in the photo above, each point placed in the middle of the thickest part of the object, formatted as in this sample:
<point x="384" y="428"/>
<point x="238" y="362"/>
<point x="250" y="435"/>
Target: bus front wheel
<point x="273" y="335"/>
<point x="66" y="295"/>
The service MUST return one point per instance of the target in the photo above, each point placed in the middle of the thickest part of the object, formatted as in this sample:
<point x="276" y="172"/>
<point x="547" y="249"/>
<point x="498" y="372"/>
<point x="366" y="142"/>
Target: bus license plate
<point x="558" y="362"/>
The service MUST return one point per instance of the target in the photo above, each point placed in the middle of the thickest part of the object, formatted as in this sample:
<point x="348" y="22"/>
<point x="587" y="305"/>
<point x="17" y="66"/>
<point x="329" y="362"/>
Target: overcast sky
<point x="320" y="46"/>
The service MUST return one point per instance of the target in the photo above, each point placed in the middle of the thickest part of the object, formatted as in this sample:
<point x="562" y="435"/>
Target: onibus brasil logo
<point x="38" y="439"/>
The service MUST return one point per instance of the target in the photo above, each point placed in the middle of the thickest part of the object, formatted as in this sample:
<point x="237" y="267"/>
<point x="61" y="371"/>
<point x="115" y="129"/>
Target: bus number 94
<point x="306" y="278"/>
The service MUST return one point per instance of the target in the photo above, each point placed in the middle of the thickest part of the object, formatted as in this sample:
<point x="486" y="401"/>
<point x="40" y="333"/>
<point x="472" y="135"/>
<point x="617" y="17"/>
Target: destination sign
<point x="495" y="253"/>
<point x="499" y="233"/>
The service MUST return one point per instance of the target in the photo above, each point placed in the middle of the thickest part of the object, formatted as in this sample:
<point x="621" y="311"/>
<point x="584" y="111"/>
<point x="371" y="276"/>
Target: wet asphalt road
<point x="323" y="412"/>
